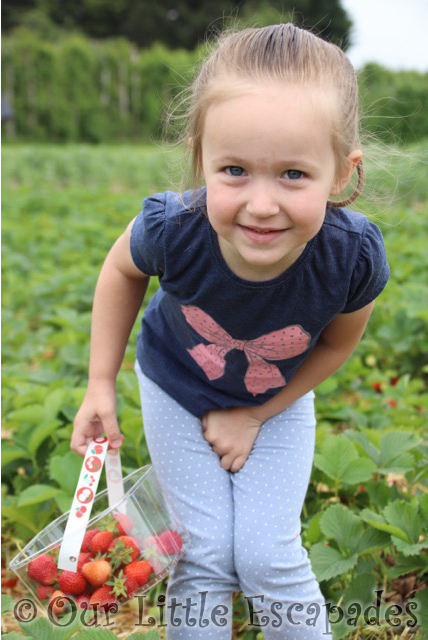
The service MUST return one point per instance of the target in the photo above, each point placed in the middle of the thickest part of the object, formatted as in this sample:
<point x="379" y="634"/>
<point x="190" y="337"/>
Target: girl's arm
<point x="118" y="297"/>
<point x="232" y="432"/>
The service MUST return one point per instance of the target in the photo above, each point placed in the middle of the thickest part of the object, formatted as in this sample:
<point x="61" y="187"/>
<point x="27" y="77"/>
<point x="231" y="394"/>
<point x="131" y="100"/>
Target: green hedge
<point x="76" y="89"/>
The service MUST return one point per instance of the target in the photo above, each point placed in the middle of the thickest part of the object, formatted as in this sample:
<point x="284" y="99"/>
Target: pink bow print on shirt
<point x="261" y="375"/>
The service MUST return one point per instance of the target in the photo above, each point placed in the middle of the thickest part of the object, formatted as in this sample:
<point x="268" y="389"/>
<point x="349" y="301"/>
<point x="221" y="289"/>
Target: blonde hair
<point x="283" y="53"/>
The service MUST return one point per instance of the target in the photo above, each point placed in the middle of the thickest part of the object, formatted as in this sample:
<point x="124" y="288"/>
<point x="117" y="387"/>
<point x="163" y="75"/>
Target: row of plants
<point x="77" y="89"/>
<point x="365" y="516"/>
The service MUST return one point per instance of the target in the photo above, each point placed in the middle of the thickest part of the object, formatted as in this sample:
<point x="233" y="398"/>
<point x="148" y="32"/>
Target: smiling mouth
<point x="260" y="234"/>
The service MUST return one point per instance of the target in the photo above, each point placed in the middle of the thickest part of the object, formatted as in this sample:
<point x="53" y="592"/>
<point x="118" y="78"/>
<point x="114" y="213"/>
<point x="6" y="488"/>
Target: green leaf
<point x="404" y="515"/>
<point x="344" y="527"/>
<point x="409" y="549"/>
<point x="358" y="471"/>
<point x="336" y="456"/>
<point x="362" y="590"/>
<point x="394" y="444"/>
<point x="64" y="501"/>
<point x="313" y="531"/>
<point x="328" y="562"/>
<point x="151" y="635"/>
<point x="44" y="629"/>
<point x="65" y="470"/>
<point x="11" y="452"/>
<point x="40" y="433"/>
<point x="7" y="604"/>
<point x="95" y="634"/>
<point x="13" y="635"/>
<point x="421" y="613"/>
<point x="378" y="522"/>
<point x="53" y="403"/>
<point x="32" y="413"/>
<point x="35" y="494"/>
<point x="12" y="513"/>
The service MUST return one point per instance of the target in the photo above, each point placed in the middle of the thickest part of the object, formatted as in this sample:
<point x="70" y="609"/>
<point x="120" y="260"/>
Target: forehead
<point x="270" y="118"/>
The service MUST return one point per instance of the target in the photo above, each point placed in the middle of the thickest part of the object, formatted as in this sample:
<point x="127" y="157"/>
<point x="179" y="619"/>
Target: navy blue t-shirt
<point x="212" y="340"/>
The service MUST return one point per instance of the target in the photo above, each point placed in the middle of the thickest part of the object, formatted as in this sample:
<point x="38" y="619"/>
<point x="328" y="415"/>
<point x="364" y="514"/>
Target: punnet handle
<point x="96" y="454"/>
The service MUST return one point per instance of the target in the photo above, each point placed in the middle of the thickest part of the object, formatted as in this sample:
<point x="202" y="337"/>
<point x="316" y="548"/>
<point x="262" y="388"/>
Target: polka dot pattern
<point x="244" y="528"/>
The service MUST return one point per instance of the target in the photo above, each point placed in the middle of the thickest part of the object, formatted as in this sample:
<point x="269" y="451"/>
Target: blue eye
<point x="234" y="171"/>
<point x="294" y="174"/>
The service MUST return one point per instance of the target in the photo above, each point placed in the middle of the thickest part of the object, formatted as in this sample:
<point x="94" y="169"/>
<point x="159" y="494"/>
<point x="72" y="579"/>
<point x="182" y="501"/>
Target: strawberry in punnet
<point x="124" y="524"/>
<point x="102" y="597"/>
<point x="82" y="602"/>
<point x="87" y="539"/>
<point x="59" y="602"/>
<point x="72" y="583"/>
<point x="101" y="541"/>
<point x="123" y="585"/>
<point x="43" y="569"/>
<point x="123" y="550"/>
<point x="169" y="543"/>
<point x="83" y="559"/>
<point x="44" y="592"/>
<point x="140" y="570"/>
<point x="97" y="571"/>
<point x="152" y="555"/>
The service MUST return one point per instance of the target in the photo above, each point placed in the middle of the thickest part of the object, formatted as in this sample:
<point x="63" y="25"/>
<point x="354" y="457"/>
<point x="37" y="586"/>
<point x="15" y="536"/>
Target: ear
<point x="351" y="162"/>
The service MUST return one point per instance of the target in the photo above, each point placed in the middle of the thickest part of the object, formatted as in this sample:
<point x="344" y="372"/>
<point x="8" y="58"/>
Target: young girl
<point x="266" y="287"/>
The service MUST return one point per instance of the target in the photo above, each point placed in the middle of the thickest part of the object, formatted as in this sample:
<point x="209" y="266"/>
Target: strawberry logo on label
<point x="93" y="464"/>
<point x="80" y="511"/>
<point x="85" y="495"/>
<point x="101" y="439"/>
<point x="89" y="479"/>
<point x="98" y="449"/>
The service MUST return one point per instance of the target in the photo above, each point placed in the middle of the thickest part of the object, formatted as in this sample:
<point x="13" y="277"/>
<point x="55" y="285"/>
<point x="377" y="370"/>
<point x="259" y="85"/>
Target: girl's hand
<point x="232" y="433"/>
<point x="97" y="415"/>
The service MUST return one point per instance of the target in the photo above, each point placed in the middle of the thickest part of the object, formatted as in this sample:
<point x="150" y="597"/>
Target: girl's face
<point x="269" y="167"/>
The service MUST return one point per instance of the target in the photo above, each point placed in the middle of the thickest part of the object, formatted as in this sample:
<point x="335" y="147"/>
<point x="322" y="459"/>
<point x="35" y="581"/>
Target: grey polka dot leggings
<point x="244" y="527"/>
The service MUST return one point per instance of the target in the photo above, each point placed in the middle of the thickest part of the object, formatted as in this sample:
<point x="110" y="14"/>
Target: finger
<point x="237" y="464"/>
<point x="111" y="429"/>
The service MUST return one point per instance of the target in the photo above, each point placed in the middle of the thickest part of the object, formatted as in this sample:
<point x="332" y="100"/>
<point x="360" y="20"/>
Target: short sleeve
<point x="147" y="237"/>
<point x="371" y="271"/>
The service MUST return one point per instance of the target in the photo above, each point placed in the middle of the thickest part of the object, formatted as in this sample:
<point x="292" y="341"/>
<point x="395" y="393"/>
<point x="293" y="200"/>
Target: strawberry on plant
<point x="43" y="569"/>
<point x="101" y="597"/>
<point x="123" y="550"/>
<point x="97" y="571"/>
<point x="44" y="592"/>
<point x="140" y="570"/>
<point x="87" y="539"/>
<point x="72" y="583"/>
<point x="101" y="541"/>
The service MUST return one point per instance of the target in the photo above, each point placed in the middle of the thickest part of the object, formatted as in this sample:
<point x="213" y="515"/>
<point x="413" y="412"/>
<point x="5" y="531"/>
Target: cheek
<point x="219" y="206"/>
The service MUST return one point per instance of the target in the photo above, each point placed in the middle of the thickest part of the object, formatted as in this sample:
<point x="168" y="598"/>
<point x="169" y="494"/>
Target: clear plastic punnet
<point x="110" y="546"/>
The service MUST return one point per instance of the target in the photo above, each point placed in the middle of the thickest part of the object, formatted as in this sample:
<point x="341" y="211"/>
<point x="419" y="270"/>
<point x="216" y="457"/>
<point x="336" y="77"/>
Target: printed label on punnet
<point x="82" y="504"/>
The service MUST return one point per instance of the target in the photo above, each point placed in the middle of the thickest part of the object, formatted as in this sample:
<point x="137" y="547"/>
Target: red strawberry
<point x="123" y="585"/>
<point x="82" y="601"/>
<point x="97" y="572"/>
<point x="140" y="570"/>
<point x="102" y="597"/>
<point x="43" y="569"/>
<point x="83" y="559"/>
<point x="123" y="523"/>
<point x="72" y="583"/>
<point x="59" y="602"/>
<point x="8" y="579"/>
<point x="44" y="592"/>
<point x="169" y="543"/>
<point x="101" y="541"/>
<point x="87" y="539"/>
<point x="123" y="550"/>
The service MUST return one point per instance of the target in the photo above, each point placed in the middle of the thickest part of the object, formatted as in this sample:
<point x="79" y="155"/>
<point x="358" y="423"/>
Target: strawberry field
<point x="365" y="517"/>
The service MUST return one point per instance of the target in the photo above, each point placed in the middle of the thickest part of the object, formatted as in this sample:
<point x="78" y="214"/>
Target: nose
<point x="262" y="200"/>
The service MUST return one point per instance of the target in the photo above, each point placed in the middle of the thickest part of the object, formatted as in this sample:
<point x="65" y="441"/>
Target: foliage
<point x="70" y="88"/>
<point x="182" y="25"/>
<point x="365" y="514"/>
